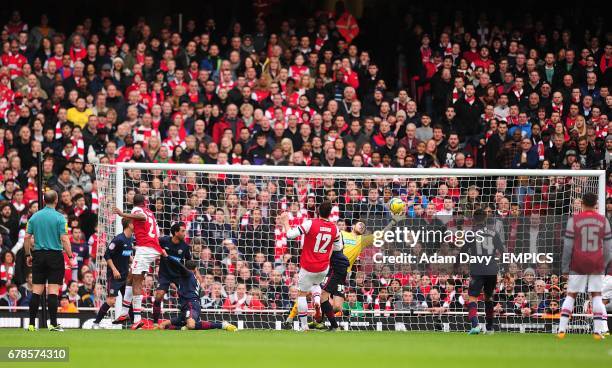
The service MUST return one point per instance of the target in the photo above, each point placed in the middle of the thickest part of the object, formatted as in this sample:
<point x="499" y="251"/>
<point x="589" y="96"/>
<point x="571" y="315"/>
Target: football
<point x="397" y="206"/>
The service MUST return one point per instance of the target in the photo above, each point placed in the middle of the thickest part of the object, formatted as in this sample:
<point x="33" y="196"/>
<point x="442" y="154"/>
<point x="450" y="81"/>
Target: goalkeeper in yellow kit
<point x="341" y="263"/>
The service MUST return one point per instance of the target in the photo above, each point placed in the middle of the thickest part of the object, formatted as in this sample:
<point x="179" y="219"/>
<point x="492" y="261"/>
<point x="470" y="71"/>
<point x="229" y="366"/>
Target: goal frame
<point x="119" y="172"/>
<point x="316" y="170"/>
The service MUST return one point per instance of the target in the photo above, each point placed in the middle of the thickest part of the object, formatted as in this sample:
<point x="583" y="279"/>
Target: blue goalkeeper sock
<point x="204" y="325"/>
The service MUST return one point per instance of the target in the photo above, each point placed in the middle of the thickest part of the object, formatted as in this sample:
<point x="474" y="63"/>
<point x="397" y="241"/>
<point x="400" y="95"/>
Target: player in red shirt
<point x="147" y="252"/>
<point x="586" y="253"/>
<point x="319" y="237"/>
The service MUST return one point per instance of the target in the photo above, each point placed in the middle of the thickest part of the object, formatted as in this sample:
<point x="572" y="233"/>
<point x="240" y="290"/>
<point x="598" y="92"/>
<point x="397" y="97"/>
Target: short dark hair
<point x="125" y="222"/>
<point x="325" y="209"/>
<point x="479" y="216"/>
<point x="139" y="199"/>
<point x="191" y="265"/>
<point x="176" y="227"/>
<point x="589" y="199"/>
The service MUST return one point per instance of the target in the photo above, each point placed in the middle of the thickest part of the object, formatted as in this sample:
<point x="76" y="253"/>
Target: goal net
<point x="414" y="279"/>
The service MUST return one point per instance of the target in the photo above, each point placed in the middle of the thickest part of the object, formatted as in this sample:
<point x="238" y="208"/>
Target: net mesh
<point x="248" y="268"/>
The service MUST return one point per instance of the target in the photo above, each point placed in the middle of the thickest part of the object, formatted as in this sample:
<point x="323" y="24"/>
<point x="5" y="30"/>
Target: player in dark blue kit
<point x="178" y="250"/>
<point x="118" y="259"/>
<point x="189" y="300"/>
<point x="332" y="286"/>
<point x="483" y="271"/>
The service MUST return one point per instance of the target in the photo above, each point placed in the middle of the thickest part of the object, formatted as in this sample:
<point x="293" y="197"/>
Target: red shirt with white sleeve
<point x="146" y="231"/>
<point x="588" y="239"/>
<point x="321" y="236"/>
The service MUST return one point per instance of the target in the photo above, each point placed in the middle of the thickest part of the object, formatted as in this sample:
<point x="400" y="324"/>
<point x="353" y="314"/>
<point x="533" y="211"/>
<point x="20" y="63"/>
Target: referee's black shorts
<point x="47" y="266"/>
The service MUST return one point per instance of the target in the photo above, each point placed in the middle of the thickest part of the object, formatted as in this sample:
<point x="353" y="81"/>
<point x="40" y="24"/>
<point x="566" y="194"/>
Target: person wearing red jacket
<point x="77" y="51"/>
<point x="484" y="60"/>
<point x="13" y="60"/>
<point x="229" y="121"/>
<point x="350" y="77"/>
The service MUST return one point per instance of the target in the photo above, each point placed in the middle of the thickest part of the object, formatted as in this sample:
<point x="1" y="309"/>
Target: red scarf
<point x="119" y="41"/>
<point x="79" y="148"/>
<point x="280" y="243"/>
<point x="604" y="63"/>
<point x="456" y="94"/>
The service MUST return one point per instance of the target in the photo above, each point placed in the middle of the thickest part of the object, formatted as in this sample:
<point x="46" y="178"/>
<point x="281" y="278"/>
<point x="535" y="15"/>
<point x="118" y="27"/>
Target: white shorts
<point x="606" y="291"/>
<point x="144" y="259"/>
<point x="306" y="280"/>
<point x="584" y="283"/>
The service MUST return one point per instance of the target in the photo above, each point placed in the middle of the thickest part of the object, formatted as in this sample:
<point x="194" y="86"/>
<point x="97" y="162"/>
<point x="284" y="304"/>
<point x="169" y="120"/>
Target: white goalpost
<point x="248" y="267"/>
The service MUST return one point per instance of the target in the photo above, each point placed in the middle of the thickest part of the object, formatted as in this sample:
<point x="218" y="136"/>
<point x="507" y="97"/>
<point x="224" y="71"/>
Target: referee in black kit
<point x="49" y="231"/>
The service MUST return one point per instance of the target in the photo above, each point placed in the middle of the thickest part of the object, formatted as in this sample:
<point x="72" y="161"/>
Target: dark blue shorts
<point x="114" y="286"/>
<point x="334" y="283"/>
<point x="191" y="309"/>
<point x="163" y="282"/>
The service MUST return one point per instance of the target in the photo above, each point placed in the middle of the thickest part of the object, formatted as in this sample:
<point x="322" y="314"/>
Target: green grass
<point x="251" y="349"/>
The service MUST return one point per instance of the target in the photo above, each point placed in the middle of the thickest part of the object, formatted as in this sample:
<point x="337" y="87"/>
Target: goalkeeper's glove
<point x="395" y="219"/>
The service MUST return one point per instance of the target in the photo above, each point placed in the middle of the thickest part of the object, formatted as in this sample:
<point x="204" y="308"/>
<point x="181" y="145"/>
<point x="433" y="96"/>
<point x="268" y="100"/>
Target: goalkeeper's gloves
<point x="395" y="219"/>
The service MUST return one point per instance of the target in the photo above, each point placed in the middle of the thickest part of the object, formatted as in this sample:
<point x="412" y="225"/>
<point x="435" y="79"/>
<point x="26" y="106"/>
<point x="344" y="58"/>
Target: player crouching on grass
<point x="189" y="301"/>
<point x="587" y="250"/>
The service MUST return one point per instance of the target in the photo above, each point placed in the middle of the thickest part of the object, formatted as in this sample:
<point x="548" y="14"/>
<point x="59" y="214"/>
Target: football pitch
<point x="117" y="348"/>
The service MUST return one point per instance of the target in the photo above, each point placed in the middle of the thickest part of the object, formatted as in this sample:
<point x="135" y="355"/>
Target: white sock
<point x="127" y="300"/>
<point x="303" y="311"/>
<point x="566" y="311"/>
<point x="137" y="307"/>
<point x="316" y="294"/>
<point x="605" y="323"/>
<point x="599" y="309"/>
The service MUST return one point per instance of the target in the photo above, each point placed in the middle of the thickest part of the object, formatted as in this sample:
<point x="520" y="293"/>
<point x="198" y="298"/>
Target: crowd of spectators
<point x="528" y="95"/>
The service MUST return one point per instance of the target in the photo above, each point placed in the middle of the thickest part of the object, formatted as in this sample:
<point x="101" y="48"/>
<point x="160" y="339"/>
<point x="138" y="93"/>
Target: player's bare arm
<point x="66" y="244"/>
<point x="27" y="246"/>
<point x="292" y="232"/>
<point x="131" y="216"/>
<point x="111" y="265"/>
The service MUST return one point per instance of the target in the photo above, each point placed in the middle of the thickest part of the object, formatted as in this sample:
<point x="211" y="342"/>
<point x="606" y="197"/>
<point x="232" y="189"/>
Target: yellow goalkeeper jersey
<point x="353" y="245"/>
